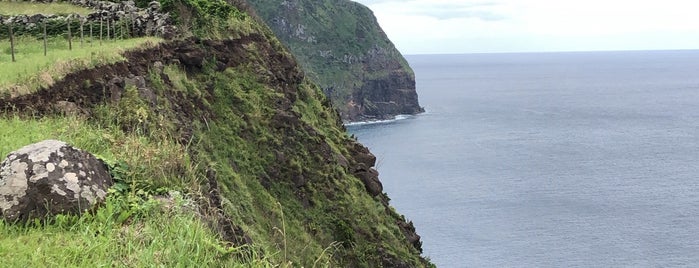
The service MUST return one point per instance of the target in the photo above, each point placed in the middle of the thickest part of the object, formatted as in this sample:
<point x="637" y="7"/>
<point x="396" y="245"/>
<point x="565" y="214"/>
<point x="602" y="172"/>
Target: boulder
<point x="362" y="155"/>
<point x="49" y="178"/>
<point x="370" y="178"/>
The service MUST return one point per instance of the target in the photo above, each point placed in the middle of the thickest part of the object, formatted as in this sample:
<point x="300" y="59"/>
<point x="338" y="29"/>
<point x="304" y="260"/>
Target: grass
<point x="122" y="234"/>
<point x="131" y="229"/>
<point x="12" y="8"/>
<point x="159" y="162"/>
<point x="276" y="177"/>
<point x="32" y="70"/>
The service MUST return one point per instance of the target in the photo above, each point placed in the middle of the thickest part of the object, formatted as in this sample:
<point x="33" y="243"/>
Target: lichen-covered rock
<point x="49" y="178"/>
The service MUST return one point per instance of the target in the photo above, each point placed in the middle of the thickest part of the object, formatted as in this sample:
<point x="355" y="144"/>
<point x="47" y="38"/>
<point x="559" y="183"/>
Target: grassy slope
<point x="131" y="229"/>
<point x="32" y="70"/>
<point x="277" y="174"/>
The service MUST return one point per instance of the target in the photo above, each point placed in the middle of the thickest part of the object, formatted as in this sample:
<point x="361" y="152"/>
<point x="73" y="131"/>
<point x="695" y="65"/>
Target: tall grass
<point x="152" y="163"/>
<point x="120" y="234"/>
<point x="33" y="70"/>
<point x="131" y="229"/>
<point x="30" y="8"/>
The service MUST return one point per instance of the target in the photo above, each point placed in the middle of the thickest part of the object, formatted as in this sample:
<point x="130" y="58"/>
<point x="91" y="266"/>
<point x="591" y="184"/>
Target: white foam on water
<point x="372" y="122"/>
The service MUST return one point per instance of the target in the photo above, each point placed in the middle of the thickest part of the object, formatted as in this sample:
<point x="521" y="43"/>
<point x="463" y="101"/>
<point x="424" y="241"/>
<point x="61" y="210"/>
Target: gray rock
<point x="143" y="21"/>
<point x="135" y="81"/>
<point x="67" y="108"/>
<point x="49" y="178"/>
<point x="370" y="178"/>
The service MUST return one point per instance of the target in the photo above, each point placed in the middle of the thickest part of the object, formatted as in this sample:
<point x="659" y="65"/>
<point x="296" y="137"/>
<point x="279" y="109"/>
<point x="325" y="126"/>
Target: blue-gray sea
<point x="587" y="159"/>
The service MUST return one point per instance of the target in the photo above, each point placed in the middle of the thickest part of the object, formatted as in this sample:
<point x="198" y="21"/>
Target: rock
<point x="148" y="20"/>
<point x="408" y="230"/>
<point x="154" y="6"/>
<point x="370" y="178"/>
<point x="136" y="81"/>
<point x="342" y="161"/>
<point x="363" y="156"/>
<point x="67" y="108"/>
<point x="159" y="67"/>
<point x="49" y="178"/>
<point x="192" y="58"/>
<point x="148" y="94"/>
<point x="116" y="89"/>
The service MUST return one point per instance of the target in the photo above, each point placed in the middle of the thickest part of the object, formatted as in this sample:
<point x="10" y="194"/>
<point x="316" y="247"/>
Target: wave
<point x="372" y="122"/>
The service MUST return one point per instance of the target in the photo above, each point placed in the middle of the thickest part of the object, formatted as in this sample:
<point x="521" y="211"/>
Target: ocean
<point x="580" y="159"/>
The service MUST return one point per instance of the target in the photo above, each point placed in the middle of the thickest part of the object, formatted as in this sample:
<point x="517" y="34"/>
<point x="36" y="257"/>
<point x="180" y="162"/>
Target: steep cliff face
<point x="342" y="47"/>
<point x="246" y="131"/>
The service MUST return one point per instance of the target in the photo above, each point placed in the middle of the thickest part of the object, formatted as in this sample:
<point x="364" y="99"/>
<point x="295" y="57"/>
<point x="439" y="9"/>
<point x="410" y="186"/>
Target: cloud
<point x="440" y="9"/>
<point x="453" y="26"/>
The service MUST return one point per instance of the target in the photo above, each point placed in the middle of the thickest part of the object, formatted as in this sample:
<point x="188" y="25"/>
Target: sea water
<point x="587" y="159"/>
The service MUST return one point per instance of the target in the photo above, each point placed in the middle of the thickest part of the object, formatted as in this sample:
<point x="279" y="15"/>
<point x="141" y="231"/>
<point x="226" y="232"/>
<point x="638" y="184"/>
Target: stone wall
<point x="147" y="21"/>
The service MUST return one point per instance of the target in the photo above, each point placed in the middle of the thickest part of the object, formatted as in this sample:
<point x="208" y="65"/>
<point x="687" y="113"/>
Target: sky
<point x="492" y="26"/>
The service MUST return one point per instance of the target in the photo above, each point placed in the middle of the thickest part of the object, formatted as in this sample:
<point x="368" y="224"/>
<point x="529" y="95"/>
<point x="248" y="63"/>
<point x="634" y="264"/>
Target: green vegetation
<point x="131" y="229"/>
<point x="120" y="234"/>
<point x="12" y="8"/>
<point x="339" y="43"/>
<point x="206" y="18"/>
<point x="249" y="115"/>
<point x="32" y="70"/>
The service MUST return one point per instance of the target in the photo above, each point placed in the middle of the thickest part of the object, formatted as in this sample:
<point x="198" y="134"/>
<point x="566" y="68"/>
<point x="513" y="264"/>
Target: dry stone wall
<point x="149" y="21"/>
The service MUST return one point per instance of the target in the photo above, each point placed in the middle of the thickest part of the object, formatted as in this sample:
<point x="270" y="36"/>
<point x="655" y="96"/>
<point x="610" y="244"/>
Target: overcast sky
<point x="476" y="26"/>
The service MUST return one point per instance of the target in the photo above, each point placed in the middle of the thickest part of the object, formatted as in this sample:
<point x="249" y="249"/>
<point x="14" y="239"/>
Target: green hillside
<point x="225" y="155"/>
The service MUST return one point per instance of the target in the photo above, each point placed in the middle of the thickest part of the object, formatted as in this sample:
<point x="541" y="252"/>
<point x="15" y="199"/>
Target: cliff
<point x="342" y="48"/>
<point x="223" y="125"/>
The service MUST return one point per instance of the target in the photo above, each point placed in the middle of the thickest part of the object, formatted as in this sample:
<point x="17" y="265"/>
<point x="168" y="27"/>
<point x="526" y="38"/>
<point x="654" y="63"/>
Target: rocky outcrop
<point x="341" y="46"/>
<point x="50" y="178"/>
<point x="365" y="171"/>
<point x="383" y="97"/>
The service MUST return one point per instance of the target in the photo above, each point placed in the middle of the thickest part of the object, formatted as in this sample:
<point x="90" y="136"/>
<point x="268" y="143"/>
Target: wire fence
<point x="86" y="31"/>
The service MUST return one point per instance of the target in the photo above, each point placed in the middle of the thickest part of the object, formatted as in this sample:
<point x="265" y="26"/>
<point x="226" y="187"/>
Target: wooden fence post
<point x="45" y="46"/>
<point x="108" y="29"/>
<point x="12" y="42"/>
<point x="91" y="40"/>
<point x="70" y="41"/>
<point x="81" y="32"/>
<point x="101" y="24"/>
<point x="133" y="26"/>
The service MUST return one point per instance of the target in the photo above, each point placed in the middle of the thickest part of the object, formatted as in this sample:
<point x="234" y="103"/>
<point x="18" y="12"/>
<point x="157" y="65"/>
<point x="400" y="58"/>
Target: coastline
<point x="399" y="117"/>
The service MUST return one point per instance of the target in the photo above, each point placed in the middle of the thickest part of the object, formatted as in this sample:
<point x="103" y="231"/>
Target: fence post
<point x="12" y="42"/>
<point x="45" y="46"/>
<point x="133" y="26"/>
<point x="101" y="24"/>
<point x="108" y="29"/>
<point x="81" y="32"/>
<point x="91" y="40"/>
<point x="70" y="42"/>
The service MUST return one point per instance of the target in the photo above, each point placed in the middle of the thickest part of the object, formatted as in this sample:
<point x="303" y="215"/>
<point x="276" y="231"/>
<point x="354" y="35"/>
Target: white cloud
<point x="462" y="26"/>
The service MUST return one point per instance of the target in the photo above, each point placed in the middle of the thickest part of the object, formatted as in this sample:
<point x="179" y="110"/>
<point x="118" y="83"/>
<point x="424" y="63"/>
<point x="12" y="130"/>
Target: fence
<point x="114" y="21"/>
<point x="112" y="29"/>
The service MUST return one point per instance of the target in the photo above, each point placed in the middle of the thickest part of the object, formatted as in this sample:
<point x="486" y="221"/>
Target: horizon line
<point x="550" y="51"/>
